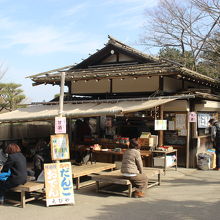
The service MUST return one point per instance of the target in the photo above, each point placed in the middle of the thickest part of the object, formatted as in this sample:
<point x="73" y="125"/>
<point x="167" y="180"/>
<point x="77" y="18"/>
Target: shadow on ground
<point x="160" y="210"/>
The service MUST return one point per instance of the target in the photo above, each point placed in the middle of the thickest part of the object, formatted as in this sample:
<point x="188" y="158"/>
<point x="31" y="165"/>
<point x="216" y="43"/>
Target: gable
<point x="117" y="53"/>
<point x="118" y="58"/>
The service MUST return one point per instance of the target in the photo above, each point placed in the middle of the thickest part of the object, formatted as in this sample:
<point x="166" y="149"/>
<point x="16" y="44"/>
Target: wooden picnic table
<point x="87" y="169"/>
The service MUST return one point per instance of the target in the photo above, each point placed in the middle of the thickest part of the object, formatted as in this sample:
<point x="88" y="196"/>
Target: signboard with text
<point x="192" y="117"/>
<point x="60" y="125"/>
<point x="160" y="125"/>
<point x="58" y="183"/>
<point x="203" y="120"/>
<point x="59" y="147"/>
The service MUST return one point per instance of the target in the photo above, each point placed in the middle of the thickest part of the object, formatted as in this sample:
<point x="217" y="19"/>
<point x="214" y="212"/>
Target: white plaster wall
<point x="208" y="106"/>
<point x="194" y="85"/>
<point x="102" y="86"/>
<point x="110" y="59"/>
<point x="189" y="85"/>
<point x="172" y="85"/>
<point x="141" y="84"/>
<point x="113" y="58"/>
<point x="123" y="57"/>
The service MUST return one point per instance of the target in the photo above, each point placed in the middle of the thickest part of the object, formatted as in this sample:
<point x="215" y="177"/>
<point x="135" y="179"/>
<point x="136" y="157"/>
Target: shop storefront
<point x="124" y="93"/>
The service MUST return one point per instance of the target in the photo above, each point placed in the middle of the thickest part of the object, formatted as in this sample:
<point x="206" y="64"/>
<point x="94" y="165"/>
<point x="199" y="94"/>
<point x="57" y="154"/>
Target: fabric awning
<point x="43" y="112"/>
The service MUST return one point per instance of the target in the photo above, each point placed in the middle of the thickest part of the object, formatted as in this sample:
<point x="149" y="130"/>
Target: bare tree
<point x="212" y="8"/>
<point x="185" y="25"/>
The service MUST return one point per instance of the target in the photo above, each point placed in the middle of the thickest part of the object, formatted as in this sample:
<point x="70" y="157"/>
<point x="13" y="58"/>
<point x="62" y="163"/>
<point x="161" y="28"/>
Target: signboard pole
<point x="58" y="176"/>
<point x="61" y="94"/>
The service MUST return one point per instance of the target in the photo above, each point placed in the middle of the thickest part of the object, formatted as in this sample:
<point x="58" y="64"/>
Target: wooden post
<point x="161" y="132"/>
<point x="192" y="135"/>
<point x="111" y="86"/>
<point x="60" y="113"/>
<point x="188" y="135"/>
<point x="61" y="94"/>
<point x="70" y="135"/>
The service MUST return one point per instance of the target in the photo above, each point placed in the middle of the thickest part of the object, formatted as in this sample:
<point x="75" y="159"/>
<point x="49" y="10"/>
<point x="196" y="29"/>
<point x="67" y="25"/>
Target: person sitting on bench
<point x="16" y="162"/>
<point x="132" y="168"/>
<point x="41" y="157"/>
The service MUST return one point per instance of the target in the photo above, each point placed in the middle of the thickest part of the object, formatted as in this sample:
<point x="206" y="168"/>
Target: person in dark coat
<point x="16" y="162"/>
<point x="215" y="137"/>
<point x="41" y="157"/>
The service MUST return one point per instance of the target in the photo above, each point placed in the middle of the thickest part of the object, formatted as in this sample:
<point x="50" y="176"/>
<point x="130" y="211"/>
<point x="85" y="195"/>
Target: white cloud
<point x="48" y="39"/>
<point x="131" y="17"/>
<point x="35" y="39"/>
<point x="133" y="22"/>
<point x="6" y="23"/>
<point x="74" y="9"/>
<point x="122" y="2"/>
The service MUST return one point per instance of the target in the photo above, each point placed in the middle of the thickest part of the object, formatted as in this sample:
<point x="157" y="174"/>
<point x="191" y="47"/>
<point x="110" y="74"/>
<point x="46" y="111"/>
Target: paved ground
<point x="184" y="194"/>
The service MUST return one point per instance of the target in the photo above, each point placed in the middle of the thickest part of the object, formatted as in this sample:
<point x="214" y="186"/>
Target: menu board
<point x="173" y="138"/>
<point x="58" y="183"/>
<point x="171" y="125"/>
<point x="180" y="121"/>
<point x="203" y="120"/>
<point x="160" y="125"/>
<point x="59" y="147"/>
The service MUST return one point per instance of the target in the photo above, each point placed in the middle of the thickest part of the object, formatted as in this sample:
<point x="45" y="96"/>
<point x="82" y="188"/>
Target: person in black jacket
<point x="215" y="137"/>
<point x="16" y="162"/>
<point x="41" y="157"/>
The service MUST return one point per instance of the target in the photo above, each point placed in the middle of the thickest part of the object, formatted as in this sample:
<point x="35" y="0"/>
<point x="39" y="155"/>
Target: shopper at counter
<point x="132" y="168"/>
<point x="215" y="137"/>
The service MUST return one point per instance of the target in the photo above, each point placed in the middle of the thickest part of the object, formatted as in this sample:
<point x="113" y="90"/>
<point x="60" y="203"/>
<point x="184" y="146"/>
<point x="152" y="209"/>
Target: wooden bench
<point x="115" y="177"/>
<point x="28" y="187"/>
<point x="88" y="169"/>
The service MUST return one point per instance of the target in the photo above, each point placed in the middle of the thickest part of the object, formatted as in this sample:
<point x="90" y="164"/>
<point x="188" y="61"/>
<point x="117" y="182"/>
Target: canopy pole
<point x="61" y="99"/>
<point x="161" y="133"/>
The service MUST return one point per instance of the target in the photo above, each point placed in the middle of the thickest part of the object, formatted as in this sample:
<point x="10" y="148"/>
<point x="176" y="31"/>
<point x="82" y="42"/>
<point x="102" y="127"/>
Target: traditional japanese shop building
<point x="133" y="90"/>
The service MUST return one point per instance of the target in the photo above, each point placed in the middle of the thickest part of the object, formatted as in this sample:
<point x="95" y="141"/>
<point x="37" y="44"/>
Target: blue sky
<point x="37" y="36"/>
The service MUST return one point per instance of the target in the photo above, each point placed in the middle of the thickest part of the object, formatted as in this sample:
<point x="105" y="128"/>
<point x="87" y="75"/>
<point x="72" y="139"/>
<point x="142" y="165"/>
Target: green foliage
<point x="11" y="96"/>
<point x="173" y="54"/>
<point x="209" y="63"/>
<point x="210" y="58"/>
<point x="56" y="96"/>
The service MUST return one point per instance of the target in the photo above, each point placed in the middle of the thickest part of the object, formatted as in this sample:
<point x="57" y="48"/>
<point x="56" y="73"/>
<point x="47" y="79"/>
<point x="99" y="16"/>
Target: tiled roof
<point x="149" y="66"/>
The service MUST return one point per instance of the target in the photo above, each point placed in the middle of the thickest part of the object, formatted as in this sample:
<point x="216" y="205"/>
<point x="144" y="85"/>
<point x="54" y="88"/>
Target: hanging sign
<point x="171" y="125"/>
<point x="180" y="120"/>
<point x="160" y="125"/>
<point x="60" y="125"/>
<point x="58" y="183"/>
<point x="203" y="120"/>
<point x="59" y="147"/>
<point x="192" y="117"/>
